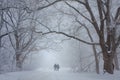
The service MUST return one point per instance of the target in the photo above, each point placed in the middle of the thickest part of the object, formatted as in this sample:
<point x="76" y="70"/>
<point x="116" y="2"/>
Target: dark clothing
<point x="56" y="67"/>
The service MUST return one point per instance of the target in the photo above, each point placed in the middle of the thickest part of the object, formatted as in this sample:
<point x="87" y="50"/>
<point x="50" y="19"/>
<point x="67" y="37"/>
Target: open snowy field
<point x="57" y="75"/>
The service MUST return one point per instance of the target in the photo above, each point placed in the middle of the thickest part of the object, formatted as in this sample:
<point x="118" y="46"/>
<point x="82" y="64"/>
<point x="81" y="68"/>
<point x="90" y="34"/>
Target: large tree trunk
<point x="108" y="54"/>
<point x="18" y="53"/>
<point x="18" y="61"/>
<point x="108" y="64"/>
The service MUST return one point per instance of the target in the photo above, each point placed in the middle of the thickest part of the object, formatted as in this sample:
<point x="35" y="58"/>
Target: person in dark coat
<point x="56" y="67"/>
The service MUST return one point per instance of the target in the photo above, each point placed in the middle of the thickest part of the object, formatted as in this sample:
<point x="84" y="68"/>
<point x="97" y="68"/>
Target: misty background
<point x="36" y="34"/>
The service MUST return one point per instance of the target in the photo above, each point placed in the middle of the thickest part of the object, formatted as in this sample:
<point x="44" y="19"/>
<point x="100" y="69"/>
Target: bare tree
<point x="108" y="40"/>
<point x="105" y="24"/>
<point x="13" y="16"/>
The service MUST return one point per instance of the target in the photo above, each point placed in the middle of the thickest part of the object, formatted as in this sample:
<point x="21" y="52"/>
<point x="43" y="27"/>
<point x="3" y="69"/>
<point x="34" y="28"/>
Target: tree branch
<point x="1" y="36"/>
<point x="40" y="8"/>
<point x="78" y="12"/>
<point x="118" y="42"/>
<point x="67" y="35"/>
<point x="99" y="4"/>
<point x="94" y="22"/>
<point x="80" y="2"/>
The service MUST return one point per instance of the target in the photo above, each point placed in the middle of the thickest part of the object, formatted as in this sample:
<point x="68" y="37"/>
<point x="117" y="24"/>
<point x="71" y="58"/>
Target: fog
<point x="61" y="33"/>
<point x="68" y="56"/>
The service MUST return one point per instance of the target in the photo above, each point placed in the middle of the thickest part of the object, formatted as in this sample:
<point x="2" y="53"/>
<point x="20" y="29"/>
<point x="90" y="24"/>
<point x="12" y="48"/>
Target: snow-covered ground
<point x="57" y="75"/>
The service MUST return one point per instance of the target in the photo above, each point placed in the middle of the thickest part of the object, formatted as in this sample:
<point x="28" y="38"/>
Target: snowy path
<point x="55" y="75"/>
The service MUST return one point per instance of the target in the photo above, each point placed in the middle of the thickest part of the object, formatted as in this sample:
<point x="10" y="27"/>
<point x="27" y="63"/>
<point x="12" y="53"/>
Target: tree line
<point x="18" y="27"/>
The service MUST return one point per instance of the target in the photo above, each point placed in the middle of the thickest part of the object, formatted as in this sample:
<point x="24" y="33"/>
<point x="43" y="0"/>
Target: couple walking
<point x="56" y="67"/>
